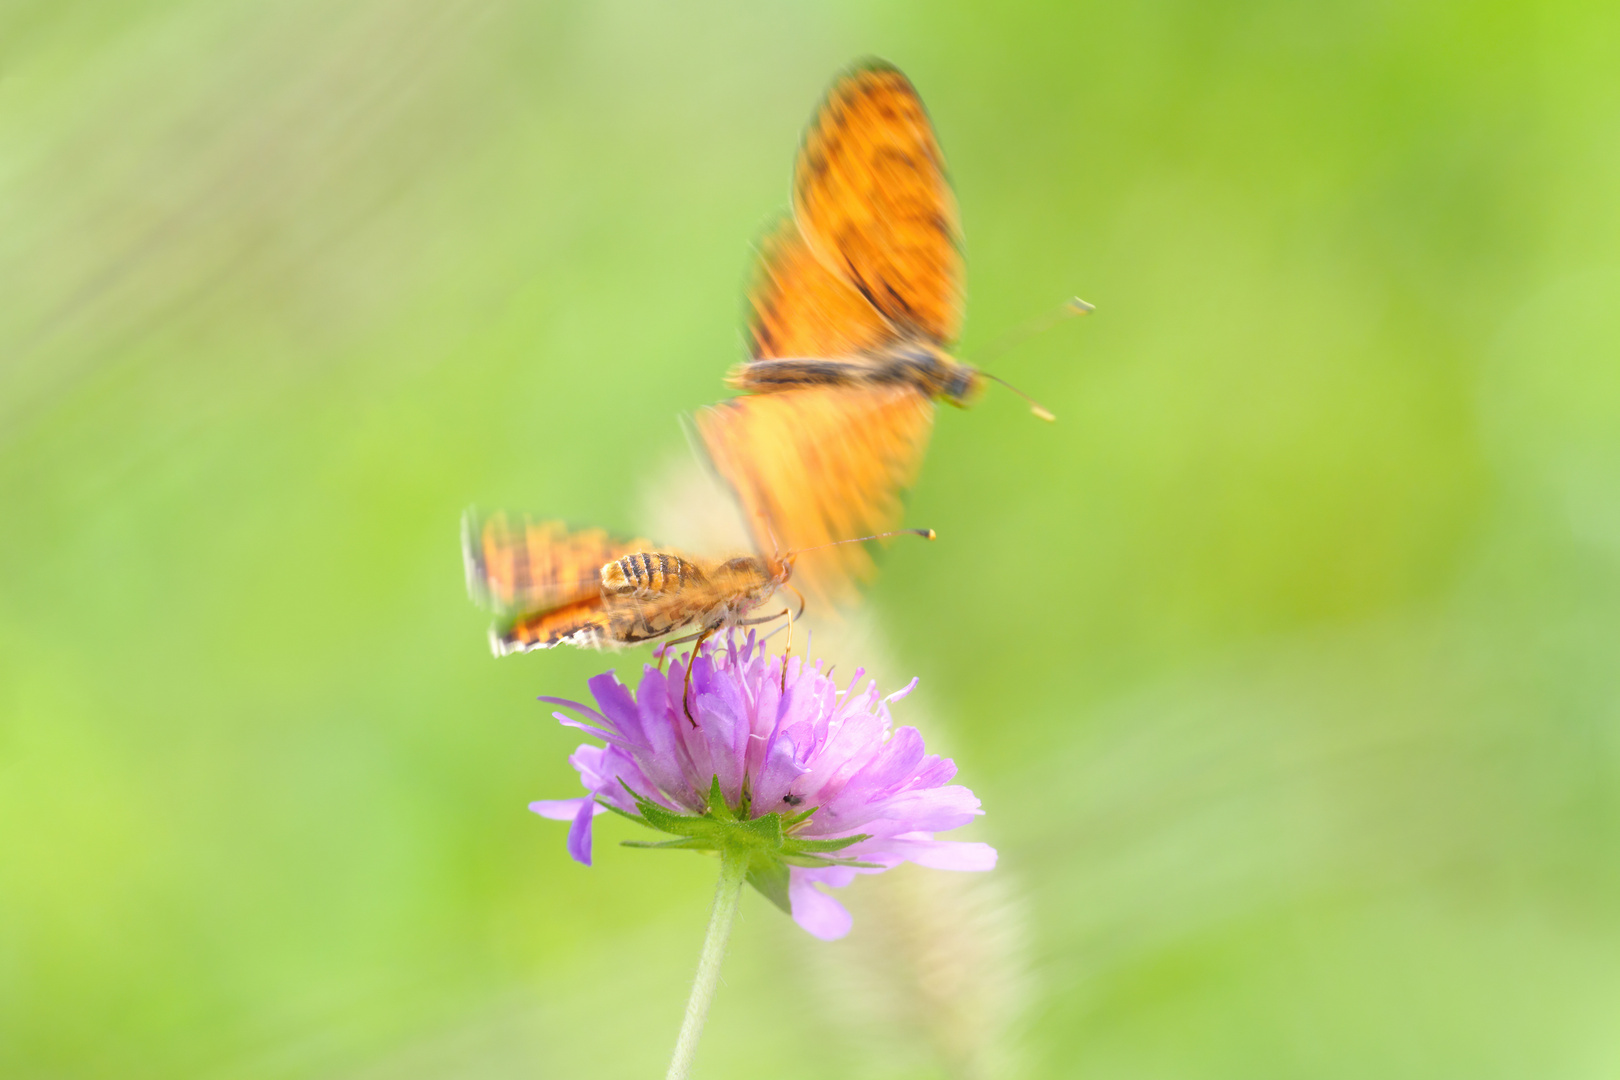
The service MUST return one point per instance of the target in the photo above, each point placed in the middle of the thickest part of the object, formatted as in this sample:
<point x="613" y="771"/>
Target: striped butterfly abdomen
<point x="649" y="573"/>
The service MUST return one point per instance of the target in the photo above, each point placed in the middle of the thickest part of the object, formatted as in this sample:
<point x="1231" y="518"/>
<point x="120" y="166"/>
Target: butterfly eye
<point x="965" y="385"/>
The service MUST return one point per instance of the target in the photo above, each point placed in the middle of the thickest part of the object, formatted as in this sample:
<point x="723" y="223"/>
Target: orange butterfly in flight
<point x="856" y="299"/>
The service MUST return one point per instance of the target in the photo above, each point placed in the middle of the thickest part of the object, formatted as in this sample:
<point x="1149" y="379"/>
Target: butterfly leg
<point x="686" y="687"/>
<point x="787" y="650"/>
<point x="762" y="621"/>
<point x="684" y="640"/>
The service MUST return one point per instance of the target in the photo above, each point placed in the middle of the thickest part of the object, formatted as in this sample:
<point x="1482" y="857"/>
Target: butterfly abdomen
<point x="764" y="376"/>
<point x="648" y="573"/>
<point x="925" y="368"/>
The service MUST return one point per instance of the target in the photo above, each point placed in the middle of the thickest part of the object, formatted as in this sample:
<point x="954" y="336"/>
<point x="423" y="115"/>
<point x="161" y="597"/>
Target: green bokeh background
<point x="1287" y="663"/>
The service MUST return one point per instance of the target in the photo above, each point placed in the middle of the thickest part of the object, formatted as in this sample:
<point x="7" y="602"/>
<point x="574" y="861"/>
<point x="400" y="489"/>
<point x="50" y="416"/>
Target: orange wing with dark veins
<point x="799" y="308"/>
<point x="543" y="580"/>
<point x="814" y="466"/>
<point x="586" y="623"/>
<point x="872" y="201"/>
<point x="518" y="567"/>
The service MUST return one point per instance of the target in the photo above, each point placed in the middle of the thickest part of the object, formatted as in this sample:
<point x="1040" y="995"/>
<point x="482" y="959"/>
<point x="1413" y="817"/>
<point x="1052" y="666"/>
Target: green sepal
<point x="796" y="846"/>
<point x="637" y="818"/>
<point x="694" y="843"/>
<point x="767" y="839"/>
<point x="765" y="832"/>
<point x="770" y="876"/>
<point x="717" y="802"/>
<point x="814" y="861"/>
<point x="679" y="824"/>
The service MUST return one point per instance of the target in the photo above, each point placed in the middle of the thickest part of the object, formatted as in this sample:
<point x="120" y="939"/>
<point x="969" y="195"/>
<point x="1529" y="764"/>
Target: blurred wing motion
<point x="802" y="309"/>
<point x="534" y="564"/>
<point x="818" y="466"/>
<point x="542" y="580"/>
<point x="871" y="200"/>
<point x="854" y="300"/>
<point x="551" y="586"/>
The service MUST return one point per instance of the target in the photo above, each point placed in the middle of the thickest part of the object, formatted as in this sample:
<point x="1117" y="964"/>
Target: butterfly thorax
<point x="932" y="370"/>
<point x="922" y="365"/>
<point x="649" y="595"/>
<point x="742" y="584"/>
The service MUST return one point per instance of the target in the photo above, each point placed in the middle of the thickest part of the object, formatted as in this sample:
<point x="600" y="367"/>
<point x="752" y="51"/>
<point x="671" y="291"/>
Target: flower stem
<point x="733" y="869"/>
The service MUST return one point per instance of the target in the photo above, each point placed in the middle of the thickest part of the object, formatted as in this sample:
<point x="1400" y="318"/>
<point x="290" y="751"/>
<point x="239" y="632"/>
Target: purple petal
<point x="944" y="854"/>
<point x="617" y="705"/>
<point x="763" y="723"/>
<point x="888" y="768"/>
<point x="587" y="761"/>
<point x="935" y="772"/>
<point x="562" y="809"/>
<point x="576" y="706"/>
<point x="619" y="769"/>
<point x="936" y="810"/>
<point x="814" y="910"/>
<point x="579" y="834"/>
<point x="725" y="725"/>
<point x="662" y="758"/>
<point x="604" y="734"/>
<point x="779" y="772"/>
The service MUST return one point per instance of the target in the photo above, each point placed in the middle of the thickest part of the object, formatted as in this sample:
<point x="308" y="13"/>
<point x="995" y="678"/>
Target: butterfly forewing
<point x="799" y="308"/>
<point x="873" y="203"/>
<point x="516" y="568"/>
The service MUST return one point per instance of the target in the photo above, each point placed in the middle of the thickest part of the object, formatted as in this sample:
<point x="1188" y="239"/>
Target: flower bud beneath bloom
<point x="810" y="779"/>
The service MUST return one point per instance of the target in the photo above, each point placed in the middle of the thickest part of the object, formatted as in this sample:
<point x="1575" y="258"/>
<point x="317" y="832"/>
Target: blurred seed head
<point x="937" y="967"/>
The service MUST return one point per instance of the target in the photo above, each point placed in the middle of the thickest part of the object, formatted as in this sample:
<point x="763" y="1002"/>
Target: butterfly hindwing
<point x="518" y="567"/>
<point x="586" y="623"/>
<point x="542" y="579"/>
<point x="820" y="465"/>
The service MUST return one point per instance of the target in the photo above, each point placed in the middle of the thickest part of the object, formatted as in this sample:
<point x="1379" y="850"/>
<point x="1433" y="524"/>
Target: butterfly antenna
<point x="926" y="534"/>
<point x="1034" y="406"/>
<point x="1040" y="324"/>
<point x="776" y="545"/>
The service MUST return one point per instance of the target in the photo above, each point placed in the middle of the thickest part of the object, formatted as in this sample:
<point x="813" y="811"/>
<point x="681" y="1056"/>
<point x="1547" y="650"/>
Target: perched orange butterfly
<point x="856" y="299"/>
<point x="551" y="586"/>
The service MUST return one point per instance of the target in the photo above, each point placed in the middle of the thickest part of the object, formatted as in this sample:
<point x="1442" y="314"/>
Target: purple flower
<point x="812" y="778"/>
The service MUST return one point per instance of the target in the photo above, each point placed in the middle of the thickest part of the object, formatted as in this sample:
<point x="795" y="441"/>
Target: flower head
<point x="810" y="777"/>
